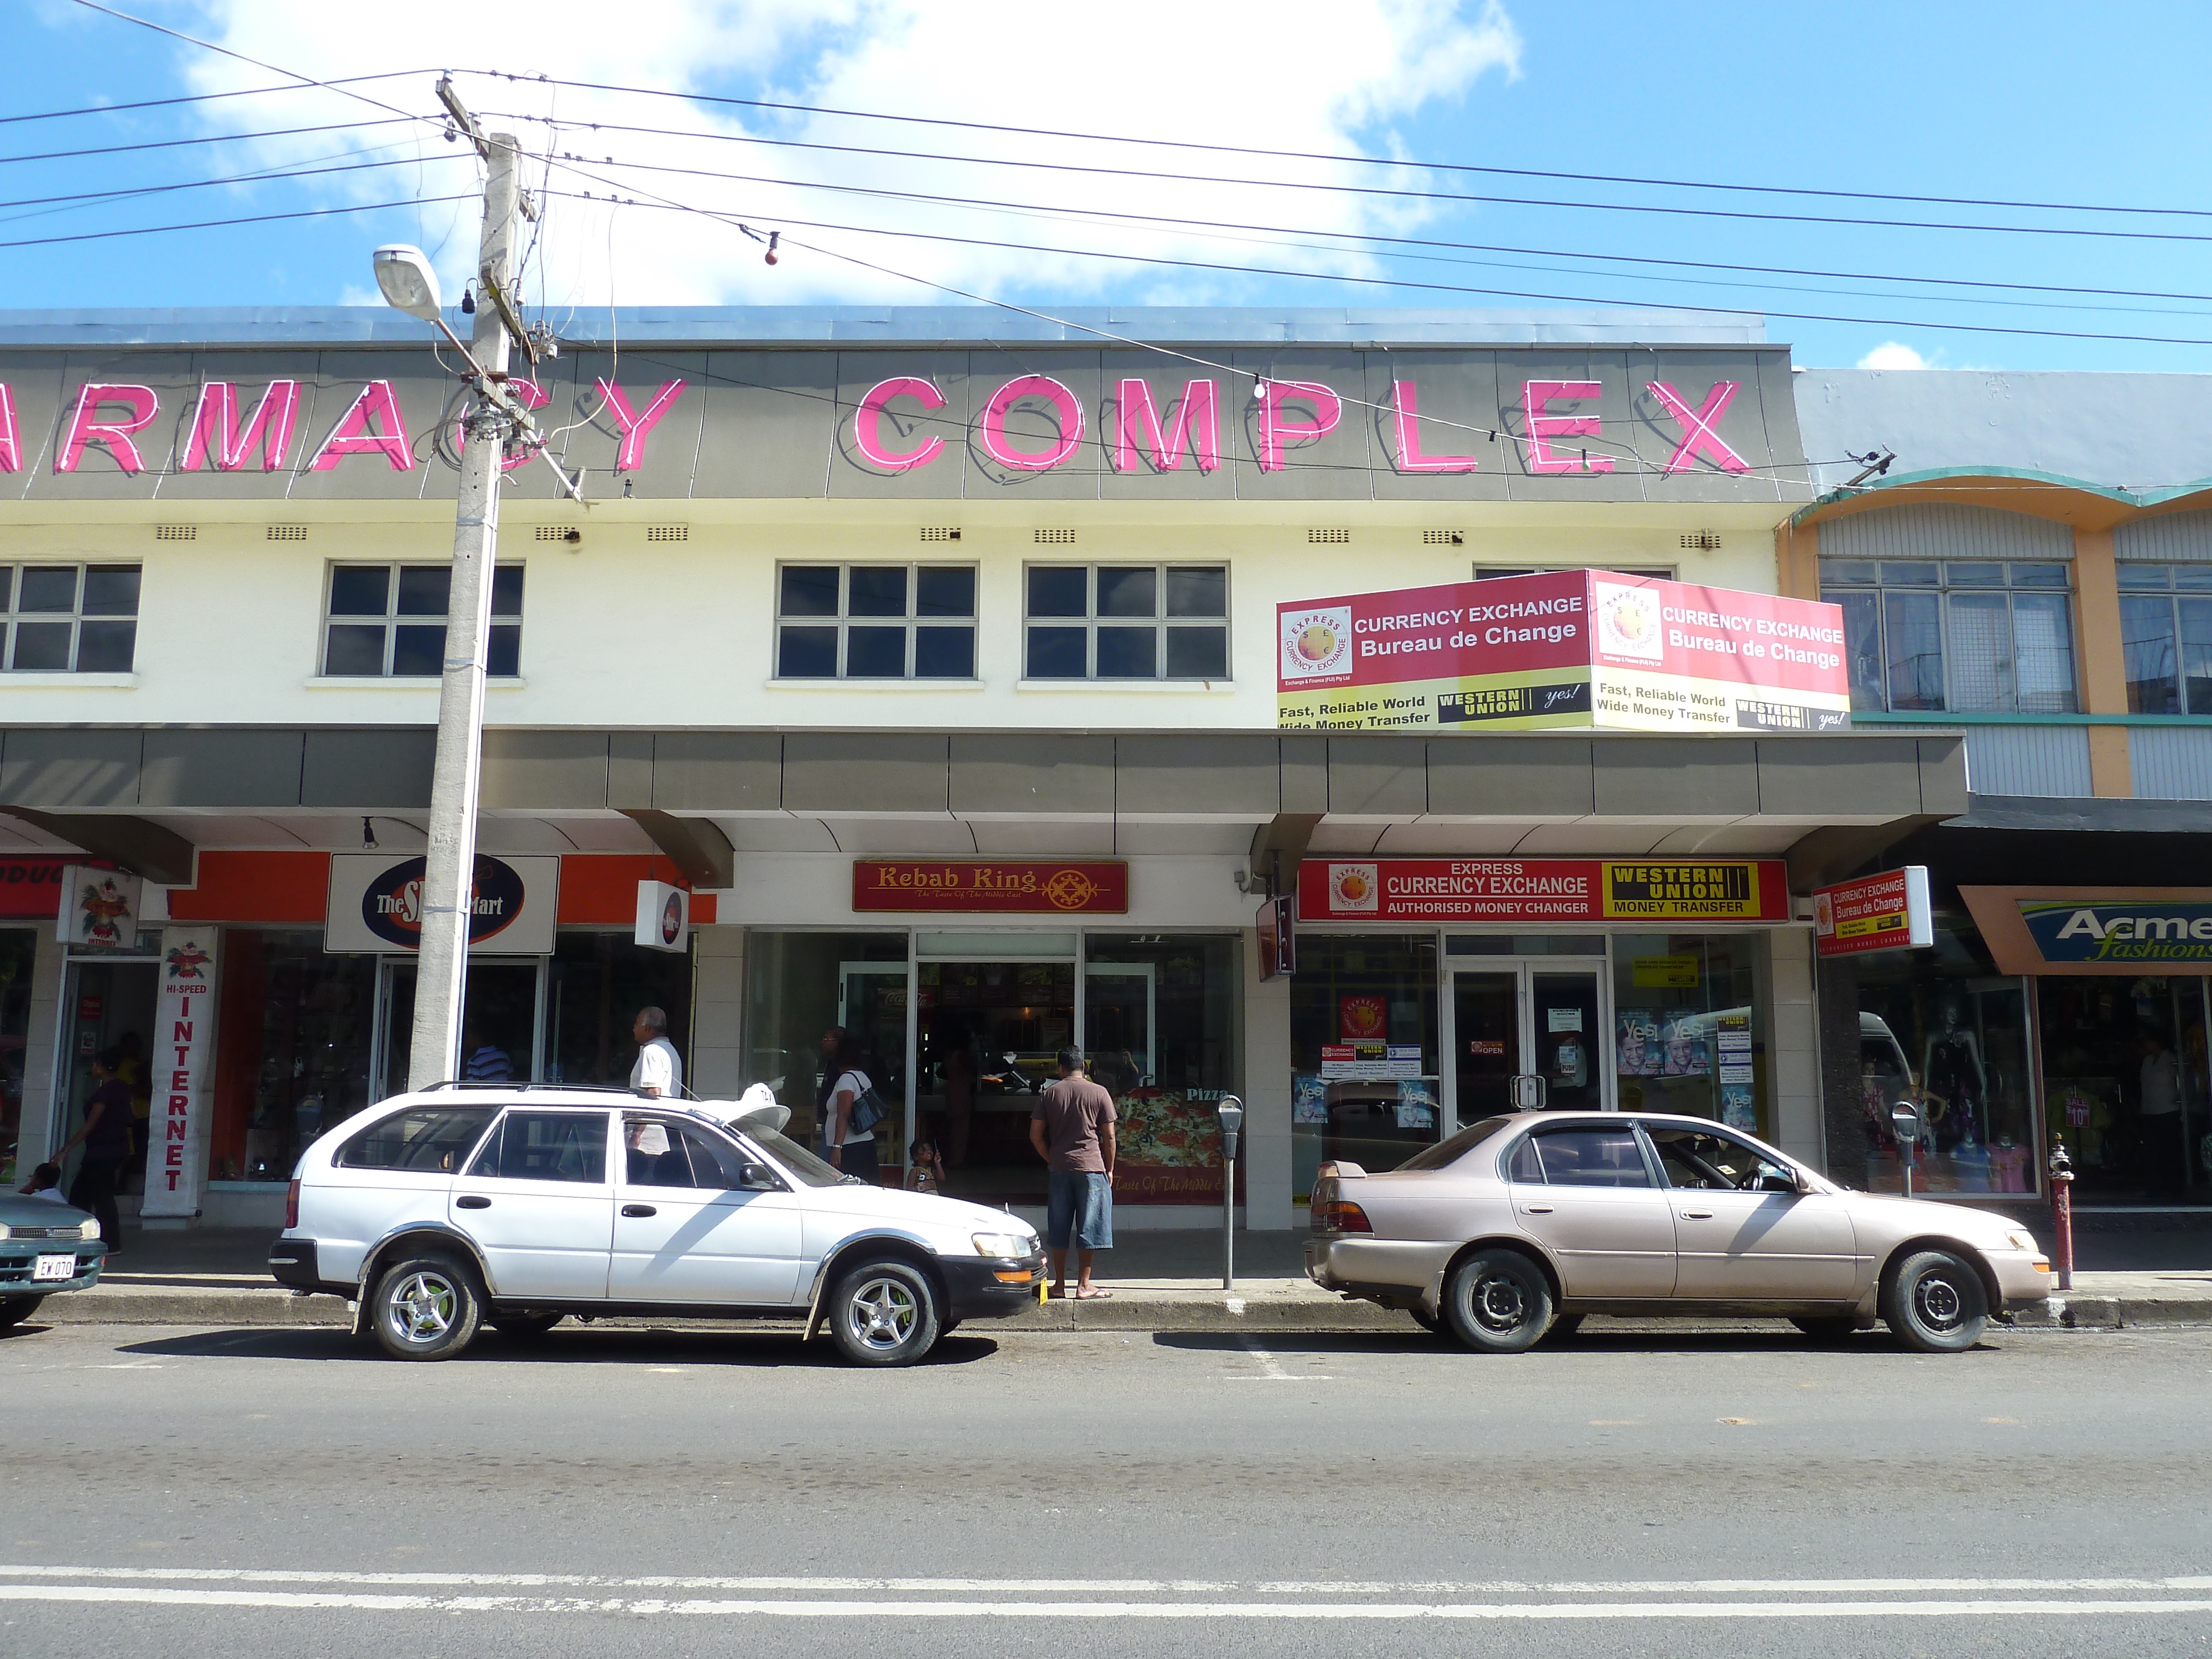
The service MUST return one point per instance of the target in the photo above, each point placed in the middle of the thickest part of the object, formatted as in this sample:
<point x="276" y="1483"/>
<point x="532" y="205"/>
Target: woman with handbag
<point x="851" y="1108"/>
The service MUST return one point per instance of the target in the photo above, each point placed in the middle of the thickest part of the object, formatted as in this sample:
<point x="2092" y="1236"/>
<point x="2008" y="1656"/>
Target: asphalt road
<point x="630" y="1492"/>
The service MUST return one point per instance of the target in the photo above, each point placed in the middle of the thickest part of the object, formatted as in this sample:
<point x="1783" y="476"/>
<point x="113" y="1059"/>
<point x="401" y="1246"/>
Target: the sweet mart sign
<point x="1561" y="648"/>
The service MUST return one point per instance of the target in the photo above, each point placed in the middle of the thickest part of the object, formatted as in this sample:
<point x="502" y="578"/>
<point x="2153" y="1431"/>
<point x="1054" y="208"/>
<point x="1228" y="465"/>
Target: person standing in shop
<point x="1072" y="1127"/>
<point x="105" y="1136"/>
<point x="2163" y="1157"/>
<point x="659" y="1072"/>
<point x="844" y="1080"/>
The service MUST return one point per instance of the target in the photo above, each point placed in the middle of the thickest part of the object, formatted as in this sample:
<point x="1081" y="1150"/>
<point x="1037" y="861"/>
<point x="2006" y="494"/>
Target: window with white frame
<point x="388" y="621"/>
<point x="2165" y="636"/>
<point x="64" y="619"/>
<point x="1126" y="622"/>
<point x="875" y="621"/>
<point x="1956" y="636"/>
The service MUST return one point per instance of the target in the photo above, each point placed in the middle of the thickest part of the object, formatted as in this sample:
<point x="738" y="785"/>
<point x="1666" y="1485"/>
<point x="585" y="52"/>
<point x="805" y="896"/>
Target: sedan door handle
<point x="1537" y="1209"/>
<point x="1698" y="1215"/>
<point x="638" y="1210"/>
<point x="472" y="1202"/>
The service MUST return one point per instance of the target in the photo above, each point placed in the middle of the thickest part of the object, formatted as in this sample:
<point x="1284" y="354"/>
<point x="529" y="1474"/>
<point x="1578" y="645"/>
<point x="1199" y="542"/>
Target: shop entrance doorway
<point x="108" y="1008"/>
<point x="1540" y="1019"/>
<point x="502" y="1015"/>
<point x="2124" y="1081"/>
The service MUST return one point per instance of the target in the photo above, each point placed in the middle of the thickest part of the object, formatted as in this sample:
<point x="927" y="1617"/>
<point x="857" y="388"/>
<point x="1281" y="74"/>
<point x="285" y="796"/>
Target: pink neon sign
<point x="1405" y="398"/>
<point x="635" y="428"/>
<point x="11" y="451"/>
<point x="868" y="430"/>
<point x="1067" y="409"/>
<point x="530" y="395"/>
<point x="1278" y="428"/>
<point x="1197" y="424"/>
<point x="85" y="426"/>
<point x="215" y="437"/>
<point x="372" y="426"/>
<point x="1535" y="396"/>
<point x="1698" y="424"/>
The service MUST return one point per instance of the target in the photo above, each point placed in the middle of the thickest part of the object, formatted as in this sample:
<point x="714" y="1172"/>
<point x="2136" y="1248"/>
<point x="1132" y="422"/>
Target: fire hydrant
<point x="2062" y="1211"/>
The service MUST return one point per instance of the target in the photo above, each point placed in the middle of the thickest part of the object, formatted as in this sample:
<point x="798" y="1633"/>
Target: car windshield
<point x="1450" y="1151"/>
<point x="803" y="1166"/>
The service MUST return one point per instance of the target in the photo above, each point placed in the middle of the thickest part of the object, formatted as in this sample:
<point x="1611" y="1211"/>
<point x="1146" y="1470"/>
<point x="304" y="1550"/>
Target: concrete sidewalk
<point x="211" y="1277"/>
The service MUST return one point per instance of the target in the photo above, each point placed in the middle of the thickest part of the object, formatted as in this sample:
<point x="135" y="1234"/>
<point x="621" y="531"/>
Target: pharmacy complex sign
<point x="1299" y="423"/>
<point x="1561" y="648"/>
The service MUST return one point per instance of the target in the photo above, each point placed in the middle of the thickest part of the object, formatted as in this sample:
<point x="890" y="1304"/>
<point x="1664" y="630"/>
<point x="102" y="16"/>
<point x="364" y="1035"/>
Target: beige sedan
<point x="1520" y="1225"/>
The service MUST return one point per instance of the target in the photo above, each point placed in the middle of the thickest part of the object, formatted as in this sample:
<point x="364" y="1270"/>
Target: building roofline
<point x="2138" y="500"/>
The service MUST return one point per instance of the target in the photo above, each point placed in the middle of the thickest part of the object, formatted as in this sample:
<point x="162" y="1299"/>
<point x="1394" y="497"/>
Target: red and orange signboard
<point x="992" y="886"/>
<point x="1543" y="891"/>
<point x="1887" y="912"/>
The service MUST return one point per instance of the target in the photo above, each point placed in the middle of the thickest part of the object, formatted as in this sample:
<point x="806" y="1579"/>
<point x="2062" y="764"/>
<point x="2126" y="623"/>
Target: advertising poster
<point x="1589" y="649"/>
<point x="1309" y="1099"/>
<point x="1637" y="1047"/>
<point x="98" y="909"/>
<point x="178" y="1066"/>
<point x="1361" y="1019"/>
<point x="1541" y="890"/>
<point x="1887" y="912"/>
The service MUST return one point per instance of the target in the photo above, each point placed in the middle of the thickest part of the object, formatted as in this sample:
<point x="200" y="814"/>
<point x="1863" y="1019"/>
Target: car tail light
<point x="1335" y="1216"/>
<point x="292" y="1204"/>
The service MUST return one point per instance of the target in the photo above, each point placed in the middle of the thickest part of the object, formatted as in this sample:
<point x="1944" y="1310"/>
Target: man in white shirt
<point x="659" y="1070"/>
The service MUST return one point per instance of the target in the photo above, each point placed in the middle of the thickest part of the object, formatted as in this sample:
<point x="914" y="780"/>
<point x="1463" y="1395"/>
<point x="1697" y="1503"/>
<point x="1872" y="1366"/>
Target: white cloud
<point x="1891" y="354"/>
<point x="1318" y="76"/>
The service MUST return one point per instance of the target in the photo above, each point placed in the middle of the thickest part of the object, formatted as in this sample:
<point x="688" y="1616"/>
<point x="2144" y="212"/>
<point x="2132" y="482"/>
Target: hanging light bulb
<point x="1259" y="389"/>
<point x="774" y="237"/>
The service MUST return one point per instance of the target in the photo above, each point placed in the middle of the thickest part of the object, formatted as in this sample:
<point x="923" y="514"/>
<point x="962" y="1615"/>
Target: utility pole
<point x="449" y="880"/>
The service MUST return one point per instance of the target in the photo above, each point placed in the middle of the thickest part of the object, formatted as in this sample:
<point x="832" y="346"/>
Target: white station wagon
<point x="436" y="1212"/>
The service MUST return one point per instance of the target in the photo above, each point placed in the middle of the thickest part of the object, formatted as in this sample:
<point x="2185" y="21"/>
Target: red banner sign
<point x="1887" y="912"/>
<point x="31" y="889"/>
<point x="1543" y="889"/>
<point x="992" y="887"/>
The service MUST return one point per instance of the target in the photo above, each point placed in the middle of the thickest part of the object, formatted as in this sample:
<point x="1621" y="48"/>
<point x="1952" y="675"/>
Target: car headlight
<point x="1004" y="1244"/>
<point x="2019" y="1241"/>
<point x="4" y="1233"/>
<point x="89" y="1229"/>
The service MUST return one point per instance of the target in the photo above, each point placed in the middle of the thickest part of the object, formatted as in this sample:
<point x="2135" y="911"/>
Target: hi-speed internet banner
<point x="1585" y="648"/>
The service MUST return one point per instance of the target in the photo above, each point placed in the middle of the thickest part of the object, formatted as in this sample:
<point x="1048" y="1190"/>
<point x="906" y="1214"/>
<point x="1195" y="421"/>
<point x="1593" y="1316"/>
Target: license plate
<point x="54" y="1267"/>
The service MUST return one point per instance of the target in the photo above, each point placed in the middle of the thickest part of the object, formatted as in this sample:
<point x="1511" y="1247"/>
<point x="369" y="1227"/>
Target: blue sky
<point x="2066" y="105"/>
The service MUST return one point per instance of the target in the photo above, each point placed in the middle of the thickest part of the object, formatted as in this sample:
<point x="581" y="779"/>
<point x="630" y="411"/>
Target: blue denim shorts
<point x="1080" y="1201"/>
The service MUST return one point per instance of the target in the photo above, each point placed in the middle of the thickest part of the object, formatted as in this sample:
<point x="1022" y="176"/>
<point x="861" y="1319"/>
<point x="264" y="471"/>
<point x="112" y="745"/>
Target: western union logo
<point x="1681" y="889"/>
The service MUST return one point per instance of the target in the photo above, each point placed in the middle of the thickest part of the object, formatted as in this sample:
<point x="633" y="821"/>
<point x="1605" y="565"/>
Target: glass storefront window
<point x="1159" y="1031"/>
<point x="989" y="1035"/>
<point x="293" y="1049"/>
<point x="19" y="949"/>
<point x="799" y="985"/>
<point x="599" y="981"/>
<point x="2123" y="1082"/>
<point x="1942" y="1028"/>
<point x="1689" y="1029"/>
<point x="1364" y="1061"/>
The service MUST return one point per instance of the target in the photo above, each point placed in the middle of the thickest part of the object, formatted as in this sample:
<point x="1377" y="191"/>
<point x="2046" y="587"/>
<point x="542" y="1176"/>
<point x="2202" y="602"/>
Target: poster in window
<point x="1685" y="1047"/>
<point x="1416" y="1106"/>
<point x="1638" y="1048"/>
<point x="1309" y="1099"/>
<point x="1361" y="1019"/>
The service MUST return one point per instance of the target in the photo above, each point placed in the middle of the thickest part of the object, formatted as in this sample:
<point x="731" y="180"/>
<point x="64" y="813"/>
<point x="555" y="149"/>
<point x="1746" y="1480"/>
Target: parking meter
<point x="1230" y="1111"/>
<point x="1905" y="1118"/>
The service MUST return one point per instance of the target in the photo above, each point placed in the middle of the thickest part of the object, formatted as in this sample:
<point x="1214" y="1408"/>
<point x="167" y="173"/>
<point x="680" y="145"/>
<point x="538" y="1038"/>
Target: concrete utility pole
<point x="449" y="882"/>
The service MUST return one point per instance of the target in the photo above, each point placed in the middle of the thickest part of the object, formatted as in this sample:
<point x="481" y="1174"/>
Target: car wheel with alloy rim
<point x="1935" y="1302"/>
<point x="884" y="1313"/>
<point x="1498" y="1301"/>
<point x="427" y="1307"/>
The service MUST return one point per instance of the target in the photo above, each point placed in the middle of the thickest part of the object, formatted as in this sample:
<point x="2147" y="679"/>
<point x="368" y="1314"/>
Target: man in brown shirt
<point x="1071" y="1128"/>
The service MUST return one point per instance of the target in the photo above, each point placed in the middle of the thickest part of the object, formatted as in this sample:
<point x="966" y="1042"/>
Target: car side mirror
<point x="757" y="1178"/>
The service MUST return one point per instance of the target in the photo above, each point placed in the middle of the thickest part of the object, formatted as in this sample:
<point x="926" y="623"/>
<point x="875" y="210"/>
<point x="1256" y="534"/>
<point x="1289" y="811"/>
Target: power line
<point x="249" y="219"/>
<point x="211" y="138"/>
<point x="1355" y="161"/>
<point x="201" y="97"/>
<point x="93" y="197"/>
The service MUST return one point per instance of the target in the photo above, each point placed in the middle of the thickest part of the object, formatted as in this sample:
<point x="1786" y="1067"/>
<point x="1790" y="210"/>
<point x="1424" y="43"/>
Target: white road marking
<point x="1307" y="1611"/>
<point x="1271" y="1369"/>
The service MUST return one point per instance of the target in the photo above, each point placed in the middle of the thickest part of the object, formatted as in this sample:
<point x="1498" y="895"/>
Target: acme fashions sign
<point x="1543" y="889"/>
<point x="2110" y="930"/>
<point x="1041" y="421"/>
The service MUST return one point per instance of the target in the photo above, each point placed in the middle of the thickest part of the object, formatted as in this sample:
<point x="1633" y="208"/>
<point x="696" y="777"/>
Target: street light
<point x="410" y="284"/>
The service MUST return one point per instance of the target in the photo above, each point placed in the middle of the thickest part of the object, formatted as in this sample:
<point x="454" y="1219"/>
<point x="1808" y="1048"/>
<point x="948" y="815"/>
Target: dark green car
<point x="45" y="1246"/>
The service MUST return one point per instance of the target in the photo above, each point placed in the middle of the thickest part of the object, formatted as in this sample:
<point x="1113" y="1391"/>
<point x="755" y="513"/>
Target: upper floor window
<point x="61" y="618"/>
<point x="1127" y="621"/>
<point x="887" y="622"/>
<point x="2166" y="635"/>
<point x="390" y="620"/>
<point x="1664" y="573"/>
<point x="1958" y="635"/>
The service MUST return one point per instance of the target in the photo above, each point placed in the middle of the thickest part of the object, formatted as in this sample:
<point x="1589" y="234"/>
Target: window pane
<point x="944" y="591"/>
<point x="1973" y="574"/>
<point x="354" y="649"/>
<point x="49" y="587"/>
<point x="1982" y="652"/>
<point x="1056" y="653"/>
<point x="7" y="585"/>
<point x="1128" y="653"/>
<point x="1913" y="637"/>
<point x="1908" y="575"/>
<point x="1862" y="645"/>
<point x="1128" y="592"/>
<point x="875" y="653"/>
<point x="2043" y="651"/>
<point x="2197" y="654"/>
<point x="423" y="588"/>
<point x="41" y="646"/>
<point x="2039" y="575"/>
<point x="419" y="651"/>
<point x="554" y="1146"/>
<point x="111" y="590"/>
<point x="2146" y="575"/>
<point x="1592" y="1157"/>
<point x="876" y="591"/>
<point x="103" y="647"/>
<point x="2147" y="646"/>
<point x="1198" y="654"/>
<point x="2195" y="577"/>
<point x="503" y="659"/>
<point x="1203" y="591"/>
<point x="807" y="653"/>
<point x="507" y="590"/>
<point x="422" y="1139"/>
<point x="360" y="590"/>
<point x="810" y="590"/>
<point x="1059" y="589"/>
<point x="944" y="654"/>
<point x="1848" y="573"/>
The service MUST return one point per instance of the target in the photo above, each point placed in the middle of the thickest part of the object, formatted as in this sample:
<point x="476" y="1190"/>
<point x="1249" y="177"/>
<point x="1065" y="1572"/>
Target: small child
<point x="927" y="1173"/>
<point x="46" y="1182"/>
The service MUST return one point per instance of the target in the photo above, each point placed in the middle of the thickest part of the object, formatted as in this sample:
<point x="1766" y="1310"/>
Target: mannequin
<point x="1956" y="1084"/>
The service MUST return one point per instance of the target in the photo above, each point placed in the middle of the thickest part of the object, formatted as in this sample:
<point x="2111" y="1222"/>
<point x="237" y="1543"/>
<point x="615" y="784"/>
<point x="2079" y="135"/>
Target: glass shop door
<point x="1524" y="1020"/>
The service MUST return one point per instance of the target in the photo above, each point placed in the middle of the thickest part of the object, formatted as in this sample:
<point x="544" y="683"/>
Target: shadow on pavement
<point x="565" y="1347"/>
<point x="1640" y="1340"/>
